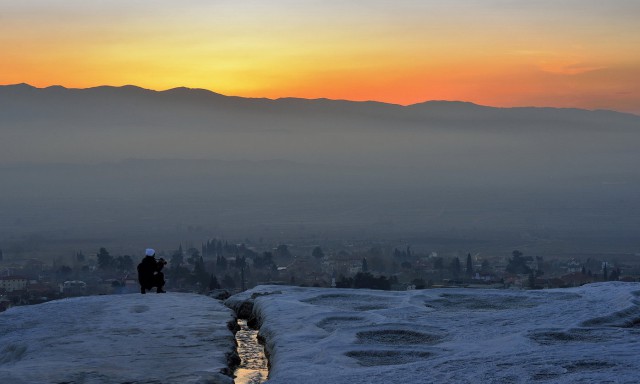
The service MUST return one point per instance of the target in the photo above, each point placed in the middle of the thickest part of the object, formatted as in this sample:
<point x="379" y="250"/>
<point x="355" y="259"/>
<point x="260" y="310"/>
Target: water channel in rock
<point x="253" y="368"/>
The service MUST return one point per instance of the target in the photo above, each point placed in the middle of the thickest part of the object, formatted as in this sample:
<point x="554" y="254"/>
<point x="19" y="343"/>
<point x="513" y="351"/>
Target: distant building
<point x="73" y="287"/>
<point x="403" y="287"/>
<point x="576" y="279"/>
<point x="574" y="266"/>
<point x="41" y="288"/>
<point x="13" y="283"/>
<point x="485" y="277"/>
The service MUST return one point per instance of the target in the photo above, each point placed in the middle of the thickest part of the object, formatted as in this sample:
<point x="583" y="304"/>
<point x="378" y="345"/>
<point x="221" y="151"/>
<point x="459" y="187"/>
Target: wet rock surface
<point x="345" y="336"/>
<point x="253" y="365"/>
<point x="169" y="338"/>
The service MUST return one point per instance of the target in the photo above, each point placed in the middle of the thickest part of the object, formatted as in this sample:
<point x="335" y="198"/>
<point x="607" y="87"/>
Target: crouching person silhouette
<point x="150" y="272"/>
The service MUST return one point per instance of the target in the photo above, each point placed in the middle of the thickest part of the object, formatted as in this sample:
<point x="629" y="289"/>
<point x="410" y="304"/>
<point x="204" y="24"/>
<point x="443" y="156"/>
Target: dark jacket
<point x="146" y="270"/>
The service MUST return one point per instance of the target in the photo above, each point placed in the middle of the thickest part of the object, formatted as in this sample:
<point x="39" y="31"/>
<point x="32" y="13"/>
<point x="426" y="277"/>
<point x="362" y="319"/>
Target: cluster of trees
<point x="455" y="268"/>
<point x="264" y="261"/>
<point x="317" y="253"/>
<point x="614" y="275"/>
<point x="191" y="272"/>
<point x="518" y="264"/>
<point x="402" y="254"/>
<point x="106" y="262"/>
<point x="219" y="264"/>
<point x="216" y="247"/>
<point x="235" y="264"/>
<point x="366" y="280"/>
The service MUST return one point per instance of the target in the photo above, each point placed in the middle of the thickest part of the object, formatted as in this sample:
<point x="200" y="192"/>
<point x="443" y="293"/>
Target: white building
<point x="573" y="266"/>
<point x="13" y="283"/>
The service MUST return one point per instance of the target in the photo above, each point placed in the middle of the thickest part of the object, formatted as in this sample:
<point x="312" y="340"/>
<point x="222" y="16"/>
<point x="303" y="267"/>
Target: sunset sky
<point x="560" y="53"/>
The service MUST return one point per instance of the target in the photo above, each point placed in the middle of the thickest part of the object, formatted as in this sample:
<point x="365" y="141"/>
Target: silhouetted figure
<point x="150" y="272"/>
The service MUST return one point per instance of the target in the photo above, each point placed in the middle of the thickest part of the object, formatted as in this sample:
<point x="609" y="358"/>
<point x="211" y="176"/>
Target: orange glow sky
<point x="560" y="53"/>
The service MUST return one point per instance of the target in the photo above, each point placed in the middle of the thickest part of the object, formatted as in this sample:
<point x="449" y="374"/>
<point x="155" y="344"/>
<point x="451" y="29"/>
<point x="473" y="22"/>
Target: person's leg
<point x="160" y="282"/>
<point x="143" y="286"/>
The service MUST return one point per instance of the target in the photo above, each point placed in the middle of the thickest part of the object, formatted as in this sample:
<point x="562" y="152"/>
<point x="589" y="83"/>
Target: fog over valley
<point x="128" y="166"/>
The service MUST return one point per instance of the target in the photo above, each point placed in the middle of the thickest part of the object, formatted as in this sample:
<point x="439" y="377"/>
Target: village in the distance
<point x="221" y="268"/>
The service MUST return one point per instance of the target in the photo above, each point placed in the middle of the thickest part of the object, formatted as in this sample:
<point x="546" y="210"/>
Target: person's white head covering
<point x="150" y="252"/>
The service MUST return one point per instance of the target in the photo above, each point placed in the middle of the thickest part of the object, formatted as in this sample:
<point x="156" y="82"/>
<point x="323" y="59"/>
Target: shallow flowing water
<point x="253" y="368"/>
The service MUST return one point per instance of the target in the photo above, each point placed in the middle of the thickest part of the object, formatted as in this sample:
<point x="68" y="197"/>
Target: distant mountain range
<point x="194" y="96"/>
<point x="112" y="123"/>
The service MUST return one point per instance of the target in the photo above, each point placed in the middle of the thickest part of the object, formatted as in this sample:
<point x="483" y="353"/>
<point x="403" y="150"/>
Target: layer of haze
<point x="128" y="167"/>
<point x="570" y="53"/>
